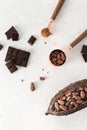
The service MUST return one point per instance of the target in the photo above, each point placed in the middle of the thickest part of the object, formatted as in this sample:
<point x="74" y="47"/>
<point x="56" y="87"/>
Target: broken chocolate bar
<point x="12" y="33"/>
<point x="19" y="57"/>
<point x="70" y="99"/>
<point x="11" y="66"/>
<point x="31" y="40"/>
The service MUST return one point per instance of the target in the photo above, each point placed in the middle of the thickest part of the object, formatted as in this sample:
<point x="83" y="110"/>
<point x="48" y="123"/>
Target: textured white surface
<point x="20" y="109"/>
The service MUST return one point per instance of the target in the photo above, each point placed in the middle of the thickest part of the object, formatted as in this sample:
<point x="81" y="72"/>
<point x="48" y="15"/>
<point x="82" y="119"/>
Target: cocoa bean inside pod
<point x="70" y="99"/>
<point x="85" y="88"/>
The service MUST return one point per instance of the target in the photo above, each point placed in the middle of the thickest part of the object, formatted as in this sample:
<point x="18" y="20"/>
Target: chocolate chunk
<point x="15" y="37"/>
<point x="19" y="57"/>
<point x="57" y="57"/>
<point x="69" y="100"/>
<point x="1" y="46"/>
<point x="31" y="40"/>
<point x="12" y="33"/>
<point x="85" y="57"/>
<point x="84" y="49"/>
<point x="11" y="66"/>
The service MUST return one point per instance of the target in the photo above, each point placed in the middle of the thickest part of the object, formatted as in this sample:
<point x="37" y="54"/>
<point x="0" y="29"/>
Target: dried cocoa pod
<point x="77" y="95"/>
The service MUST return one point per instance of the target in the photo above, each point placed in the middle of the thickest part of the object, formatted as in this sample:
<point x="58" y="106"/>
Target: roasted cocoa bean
<point x="82" y="94"/>
<point x="61" y="102"/>
<point x="85" y="88"/>
<point x="64" y="108"/>
<point x="56" y="106"/>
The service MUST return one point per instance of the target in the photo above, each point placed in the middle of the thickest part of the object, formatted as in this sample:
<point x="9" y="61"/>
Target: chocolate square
<point x="11" y="66"/>
<point x="18" y="61"/>
<point x="15" y="52"/>
<point x="10" y="50"/>
<point x="15" y="37"/>
<point x="24" y="62"/>
<point x="32" y="40"/>
<point x="9" y="33"/>
<point x="8" y="57"/>
<point x="12" y="33"/>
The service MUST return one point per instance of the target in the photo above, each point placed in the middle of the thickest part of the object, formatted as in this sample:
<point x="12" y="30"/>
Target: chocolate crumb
<point x="22" y="80"/>
<point x="45" y="42"/>
<point x="42" y="69"/>
<point x="42" y="78"/>
<point x="32" y="86"/>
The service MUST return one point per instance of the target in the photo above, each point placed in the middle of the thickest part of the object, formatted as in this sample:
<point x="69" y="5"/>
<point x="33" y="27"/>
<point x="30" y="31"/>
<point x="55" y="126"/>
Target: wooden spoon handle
<point x="57" y="9"/>
<point x="78" y="39"/>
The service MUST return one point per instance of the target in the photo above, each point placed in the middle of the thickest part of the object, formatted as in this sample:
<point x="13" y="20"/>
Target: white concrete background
<point x="21" y="109"/>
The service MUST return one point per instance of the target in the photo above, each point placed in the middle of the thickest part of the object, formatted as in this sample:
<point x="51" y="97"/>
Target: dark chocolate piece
<point x="85" y="57"/>
<point x="31" y="40"/>
<point x="15" y="37"/>
<point x="19" y="57"/>
<point x="70" y="99"/>
<point x="11" y="66"/>
<point x="1" y="46"/>
<point x="84" y="49"/>
<point x="12" y="33"/>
